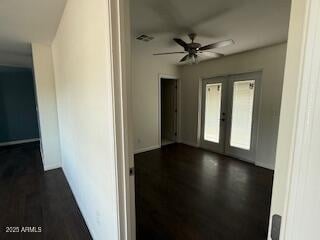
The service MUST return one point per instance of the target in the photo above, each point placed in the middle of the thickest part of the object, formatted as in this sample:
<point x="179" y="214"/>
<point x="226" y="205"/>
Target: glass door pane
<point x="212" y="112"/>
<point x="242" y="113"/>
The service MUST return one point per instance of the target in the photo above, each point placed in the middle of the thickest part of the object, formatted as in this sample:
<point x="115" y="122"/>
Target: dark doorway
<point x="168" y="111"/>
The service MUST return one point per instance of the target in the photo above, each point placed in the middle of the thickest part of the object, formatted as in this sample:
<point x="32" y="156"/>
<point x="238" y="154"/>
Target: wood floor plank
<point x="189" y="193"/>
<point x="30" y="197"/>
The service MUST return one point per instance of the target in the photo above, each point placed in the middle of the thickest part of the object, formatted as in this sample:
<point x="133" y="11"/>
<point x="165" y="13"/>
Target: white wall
<point x="47" y="108"/>
<point x="13" y="59"/>
<point x="82" y="62"/>
<point x="271" y="60"/>
<point x="146" y="69"/>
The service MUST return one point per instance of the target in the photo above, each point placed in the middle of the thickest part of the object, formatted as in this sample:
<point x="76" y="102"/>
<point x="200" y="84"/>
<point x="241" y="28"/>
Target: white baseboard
<point x="263" y="165"/>
<point x="52" y="166"/>
<point x="141" y="150"/>
<point x="19" y="142"/>
<point x="190" y="144"/>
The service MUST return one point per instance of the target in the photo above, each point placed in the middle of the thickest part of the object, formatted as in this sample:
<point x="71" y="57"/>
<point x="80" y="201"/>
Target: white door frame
<point x="173" y="77"/>
<point x="302" y="65"/>
<point x="120" y="34"/>
<point x="301" y="204"/>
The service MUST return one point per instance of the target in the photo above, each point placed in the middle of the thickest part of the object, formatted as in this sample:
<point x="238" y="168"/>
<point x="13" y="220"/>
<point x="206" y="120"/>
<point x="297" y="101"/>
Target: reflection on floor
<point x="191" y="194"/>
<point x="166" y="142"/>
<point x="31" y="198"/>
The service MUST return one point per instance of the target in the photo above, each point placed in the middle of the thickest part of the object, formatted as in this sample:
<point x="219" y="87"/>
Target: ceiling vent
<point x="145" y="38"/>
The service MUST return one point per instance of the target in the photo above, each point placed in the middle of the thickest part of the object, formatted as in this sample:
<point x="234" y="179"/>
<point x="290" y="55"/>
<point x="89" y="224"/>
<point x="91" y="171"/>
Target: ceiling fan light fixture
<point x="193" y="60"/>
<point x="193" y="49"/>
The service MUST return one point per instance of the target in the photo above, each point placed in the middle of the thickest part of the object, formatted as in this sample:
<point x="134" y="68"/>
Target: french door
<point x="229" y="115"/>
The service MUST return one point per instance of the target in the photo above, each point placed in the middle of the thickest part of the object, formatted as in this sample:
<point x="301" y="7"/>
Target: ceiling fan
<point x="194" y="49"/>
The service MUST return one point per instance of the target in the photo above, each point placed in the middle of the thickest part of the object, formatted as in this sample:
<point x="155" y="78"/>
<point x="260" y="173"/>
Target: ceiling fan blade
<point x="211" y="54"/>
<point x="167" y="53"/>
<point x="185" y="58"/>
<point x="217" y="45"/>
<point x="181" y="42"/>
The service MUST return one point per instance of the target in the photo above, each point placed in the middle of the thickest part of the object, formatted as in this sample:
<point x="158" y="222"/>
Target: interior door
<point x="241" y="127"/>
<point x="169" y="109"/>
<point x="213" y="114"/>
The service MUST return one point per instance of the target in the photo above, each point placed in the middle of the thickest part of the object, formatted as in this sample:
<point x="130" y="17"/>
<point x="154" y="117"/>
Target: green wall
<point x="18" y="115"/>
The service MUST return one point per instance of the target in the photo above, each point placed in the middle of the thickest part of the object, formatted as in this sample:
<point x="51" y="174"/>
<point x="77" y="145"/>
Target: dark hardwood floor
<point x="30" y="197"/>
<point x="188" y="193"/>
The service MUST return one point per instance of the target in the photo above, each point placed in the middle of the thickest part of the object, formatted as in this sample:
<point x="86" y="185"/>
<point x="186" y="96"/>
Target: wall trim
<point x="263" y="165"/>
<point x="146" y="149"/>
<point x="192" y="144"/>
<point x="19" y="142"/>
<point x="52" y="166"/>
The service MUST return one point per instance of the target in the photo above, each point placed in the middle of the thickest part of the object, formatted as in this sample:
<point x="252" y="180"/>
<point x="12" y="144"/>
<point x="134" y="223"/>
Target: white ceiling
<point x="250" y="23"/>
<point x="26" y="21"/>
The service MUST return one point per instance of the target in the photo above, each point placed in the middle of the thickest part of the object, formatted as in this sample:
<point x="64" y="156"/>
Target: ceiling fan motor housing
<point x="193" y="46"/>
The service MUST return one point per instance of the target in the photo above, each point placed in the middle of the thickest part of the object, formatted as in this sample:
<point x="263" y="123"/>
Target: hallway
<point x="30" y="197"/>
<point x="186" y="193"/>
